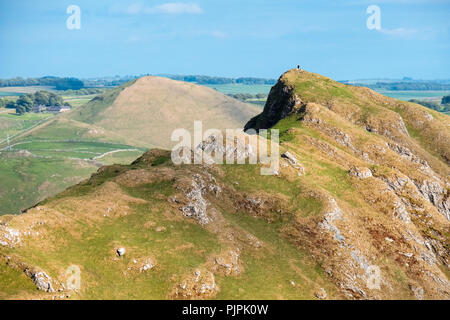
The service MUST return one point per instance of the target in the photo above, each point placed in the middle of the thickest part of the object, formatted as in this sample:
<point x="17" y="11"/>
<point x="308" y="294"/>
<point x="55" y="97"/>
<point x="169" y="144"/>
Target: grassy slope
<point x="182" y="247"/>
<point x="150" y="108"/>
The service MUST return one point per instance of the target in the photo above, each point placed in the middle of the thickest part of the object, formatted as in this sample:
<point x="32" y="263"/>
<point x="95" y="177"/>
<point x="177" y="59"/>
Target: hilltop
<point x="148" y="109"/>
<point x="359" y="209"/>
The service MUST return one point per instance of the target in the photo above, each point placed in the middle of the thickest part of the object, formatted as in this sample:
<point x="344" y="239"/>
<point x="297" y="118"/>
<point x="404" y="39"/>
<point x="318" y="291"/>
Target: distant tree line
<point x="26" y="102"/>
<point x="220" y="80"/>
<point x="58" y="83"/>
<point x="76" y="84"/>
<point x="443" y="107"/>
<point x="404" y="86"/>
<point x="445" y="100"/>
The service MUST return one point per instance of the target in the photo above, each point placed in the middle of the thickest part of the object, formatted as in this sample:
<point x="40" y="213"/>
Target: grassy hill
<point x="359" y="209"/>
<point x="150" y="108"/>
<point x="50" y="153"/>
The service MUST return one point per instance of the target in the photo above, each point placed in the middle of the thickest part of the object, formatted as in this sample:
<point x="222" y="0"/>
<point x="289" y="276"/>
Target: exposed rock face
<point x="9" y="237"/>
<point x="437" y="195"/>
<point x="228" y="263"/>
<point x="292" y="160"/>
<point x="418" y="292"/>
<point x="214" y="146"/>
<point x="141" y="265"/>
<point x="360" y="173"/>
<point x="332" y="215"/>
<point x="281" y="102"/>
<point x="321" y="294"/>
<point x="197" y="206"/>
<point x="41" y="280"/>
<point x="201" y="284"/>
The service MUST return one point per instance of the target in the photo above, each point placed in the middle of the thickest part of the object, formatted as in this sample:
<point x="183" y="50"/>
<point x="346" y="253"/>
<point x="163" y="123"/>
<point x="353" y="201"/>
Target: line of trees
<point x="26" y="102"/>
<point x="443" y="107"/>
<point x="58" y="83"/>
<point x="404" y="86"/>
<point x="221" y="80"/>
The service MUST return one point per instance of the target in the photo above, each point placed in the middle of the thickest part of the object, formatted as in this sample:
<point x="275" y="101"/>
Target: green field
<point x="40" y="163"/>
<point x="79" y="100"/>
<point x="34" y="169"/>
<point x="27" y="180"/>
<point x="12" y="124"/>
<point x="8" y="94"/>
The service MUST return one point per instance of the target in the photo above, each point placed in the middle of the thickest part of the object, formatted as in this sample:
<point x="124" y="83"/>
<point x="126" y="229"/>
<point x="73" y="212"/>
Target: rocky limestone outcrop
<point x="9" y="237"/>
<point x="201" y="284"/>
<point x="281" y="103"/>
<point x="40" y="278"/>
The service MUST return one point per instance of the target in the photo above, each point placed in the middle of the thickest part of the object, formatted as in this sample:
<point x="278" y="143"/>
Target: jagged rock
<point x="332" y="215"/>
<point x="321" y="294"/>
<point x="197" y="206"/>
<point x="41" y="280"/>
<point x="407" y="153"/>
<point x="437" y="195"/>
<point x="141" y="265"/>
<point x="360" y="173"/>
<point x="9" y="237"/>
<point x="418" y="292"/>
<point x="290" y="157"/>
<point x="228" y="262"/>
<point x="213" y="146"/>
<point x="199" y="285"/>
<point x="292" y="160"/>
<point x="282" y="101"/>
<point x="400" y="211"/>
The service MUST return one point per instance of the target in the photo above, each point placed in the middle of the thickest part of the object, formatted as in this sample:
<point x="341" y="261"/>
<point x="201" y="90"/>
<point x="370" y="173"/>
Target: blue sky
<point x="231" y="38"/>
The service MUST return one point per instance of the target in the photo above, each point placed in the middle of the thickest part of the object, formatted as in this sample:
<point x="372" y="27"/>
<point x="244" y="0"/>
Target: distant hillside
<point x="198" y="79"/>
<point x="418" y="85"/>
<point x="148" y="109"/>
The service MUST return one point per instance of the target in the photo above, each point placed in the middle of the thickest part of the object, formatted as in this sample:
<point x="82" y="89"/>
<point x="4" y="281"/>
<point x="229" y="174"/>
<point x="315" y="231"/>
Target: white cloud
<point x="175" y="8"/>
<point x="134" y="8"/>
<point x="165" y="8"/>
<point x="399" y="32"/>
